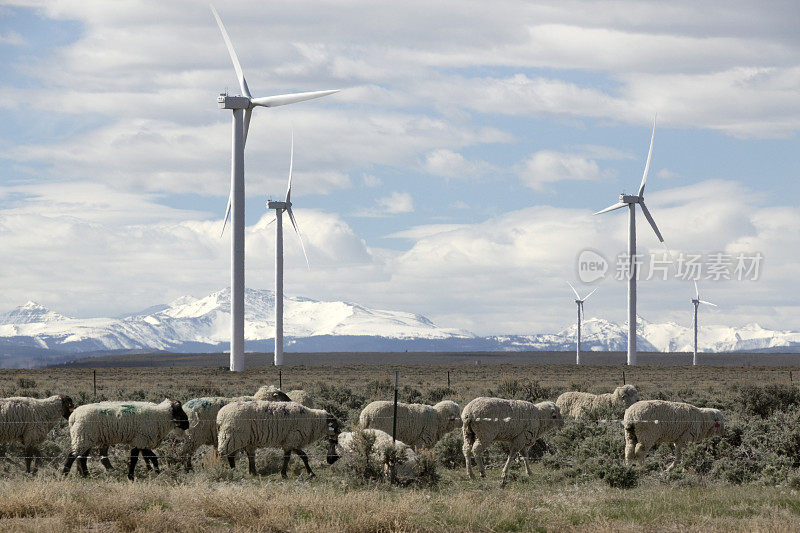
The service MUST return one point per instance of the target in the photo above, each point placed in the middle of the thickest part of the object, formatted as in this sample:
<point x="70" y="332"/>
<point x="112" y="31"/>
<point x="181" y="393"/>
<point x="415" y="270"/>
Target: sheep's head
<point x="627" y="394"/>
<point x="270" y="393"/>
<point x="551" y="414"/>
<point x="715" y="421"/>
<point x="449" y="415"/>
<point x="67" y="406"/>
<point x="334" y="429"/>
<point x="179" y="417"/>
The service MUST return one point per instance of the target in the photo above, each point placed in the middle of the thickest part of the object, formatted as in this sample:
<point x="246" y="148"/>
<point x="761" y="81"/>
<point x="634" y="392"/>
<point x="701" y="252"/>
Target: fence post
<point x="94" y="383"/>
<point x="448" y="379"/>
<point x="623" y="377"/>
<point x="394" y="416"/>
<point x="790" y="377"/>
<point x="280" y="379"/>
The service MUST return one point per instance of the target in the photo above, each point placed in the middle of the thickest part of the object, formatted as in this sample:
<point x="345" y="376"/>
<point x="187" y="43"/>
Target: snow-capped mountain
<point x="32" y="334"/>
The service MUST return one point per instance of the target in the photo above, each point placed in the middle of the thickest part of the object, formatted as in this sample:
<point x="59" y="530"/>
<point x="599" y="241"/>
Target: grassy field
<point x="746" y="480"/>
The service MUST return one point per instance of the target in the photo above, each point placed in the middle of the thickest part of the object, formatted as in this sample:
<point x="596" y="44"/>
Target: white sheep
<point x="202" y="414"/>
<point x="286" y="425"/>
<point x="418" y="425"/>
<point x="575" y="404"/>
<point x="29" y="420"/>
<point x="651" y="422"/>
<point x="516" y="422"/>
<point x="348" y="444"/>
<point x="142" y="425"/>
<point x="270" y="392"/>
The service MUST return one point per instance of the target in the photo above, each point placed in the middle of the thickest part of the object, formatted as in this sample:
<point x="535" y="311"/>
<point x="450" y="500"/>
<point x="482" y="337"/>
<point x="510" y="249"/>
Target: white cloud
<point x="547" y="166"/>
<point x="371" y="181"/>
<point x="450" y="164"/>
<point x="395" y="204"/>
<point x="12" y="38"/>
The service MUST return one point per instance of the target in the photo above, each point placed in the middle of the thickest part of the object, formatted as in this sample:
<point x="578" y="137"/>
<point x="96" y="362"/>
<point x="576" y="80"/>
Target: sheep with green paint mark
<point x="141" y="425"/>
<point x="202" y="414"/>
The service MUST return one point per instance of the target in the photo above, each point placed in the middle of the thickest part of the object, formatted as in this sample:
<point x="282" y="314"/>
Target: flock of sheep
<point x="272" y="418"/>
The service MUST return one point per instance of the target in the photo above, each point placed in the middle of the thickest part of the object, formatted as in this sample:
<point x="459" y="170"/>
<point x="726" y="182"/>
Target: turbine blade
<point x="227" y="215"/>
<point x="247" y="114"/>
<point x="236" y="66"/>
<point x="291" y="165"/>
<point x="696" y="290"/>
<point x="649" y="157"/>
<point x="708" y="303"/>
<point x="652" y="222"/>
<point x="300" y="237"/>
<point x="283" y="99"/>
<point x="573" y="290"/>
<point x="587" y="296"/>
<point x="618" y="205"/>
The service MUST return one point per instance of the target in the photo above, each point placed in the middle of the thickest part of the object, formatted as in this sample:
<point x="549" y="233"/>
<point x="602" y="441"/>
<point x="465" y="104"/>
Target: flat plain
<point x="746" y="480"/>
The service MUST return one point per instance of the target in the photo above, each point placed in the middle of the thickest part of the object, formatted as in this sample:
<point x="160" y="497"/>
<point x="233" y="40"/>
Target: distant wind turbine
<point x="279" y="208"/>
<point x="242" y="107"/>
<point x="631" y="201"/>
<point x="696" y="301"/>
<point x="579" y="301"/>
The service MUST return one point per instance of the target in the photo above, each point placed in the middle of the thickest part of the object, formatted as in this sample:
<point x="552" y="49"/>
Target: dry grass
<point x="213" y="499"/>
<point x="325" y="505"/>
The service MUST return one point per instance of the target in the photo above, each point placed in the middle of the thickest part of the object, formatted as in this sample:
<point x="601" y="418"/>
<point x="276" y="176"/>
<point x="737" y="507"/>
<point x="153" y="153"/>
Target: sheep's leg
<point x="467" y="450"/>
<point x="525" y="452"/>
<point x="31" y="456"/>
<point x="639" y="452"/>
<point x="512" y="452"/>
<point x="287" y="454"/>
<point x="678" y="449"/>
<point x="150" y="456"/>
<point x="477" y="451"/>
<point x="304" y="457"/>
<point x="251" y="461"/>
<point x="232" y="460"/>
<point x="630" y="449"/>
<point x="104" y="460"/>
<point x="68" y="463"/>
<point x="82" y="468"/>
<point x="132" y="464"/>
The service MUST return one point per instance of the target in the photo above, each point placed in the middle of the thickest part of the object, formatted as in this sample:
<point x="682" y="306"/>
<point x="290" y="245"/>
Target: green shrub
<point x="621" y="476"/>
<point x="449" y="450"/>
<point x="764" y="400"/>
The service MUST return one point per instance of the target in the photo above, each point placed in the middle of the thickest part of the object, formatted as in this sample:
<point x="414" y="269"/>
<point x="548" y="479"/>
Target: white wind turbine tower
<point x="696" y="301"/>
<point x="579" y="301"/>
<point x="242" y="107"/>
<point x="631" y="201"/>
<point x="279" y="208"/>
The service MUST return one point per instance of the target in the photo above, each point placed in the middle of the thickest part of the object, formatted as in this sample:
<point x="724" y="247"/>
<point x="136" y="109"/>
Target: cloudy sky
<point x="456" y="176"/>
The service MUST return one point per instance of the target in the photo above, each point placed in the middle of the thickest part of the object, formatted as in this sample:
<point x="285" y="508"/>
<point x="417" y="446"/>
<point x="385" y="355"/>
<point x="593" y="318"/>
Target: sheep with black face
<point x="142" y="425"/>
<point x="286" y="425"/>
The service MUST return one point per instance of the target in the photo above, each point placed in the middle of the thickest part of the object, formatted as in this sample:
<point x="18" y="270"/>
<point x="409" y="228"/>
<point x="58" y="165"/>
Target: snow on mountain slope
<point x="206" y="321"/>
<point x="203" y="324"/>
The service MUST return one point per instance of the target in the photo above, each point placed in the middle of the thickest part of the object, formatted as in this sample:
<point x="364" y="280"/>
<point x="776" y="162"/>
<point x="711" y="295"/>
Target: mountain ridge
<point x="189" y="324"/>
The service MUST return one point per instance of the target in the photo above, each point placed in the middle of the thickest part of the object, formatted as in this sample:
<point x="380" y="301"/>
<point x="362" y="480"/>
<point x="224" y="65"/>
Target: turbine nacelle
<point x="630" y="199"/>
<point x="283" y="206"/>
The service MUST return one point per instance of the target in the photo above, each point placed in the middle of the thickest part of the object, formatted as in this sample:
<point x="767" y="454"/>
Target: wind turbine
<point x="279" y="208"/>
<point x="631" y="201"/>
<point x="242" y="107"/>
<point x="579" y="301"/>
<point x="696" y="301"/>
